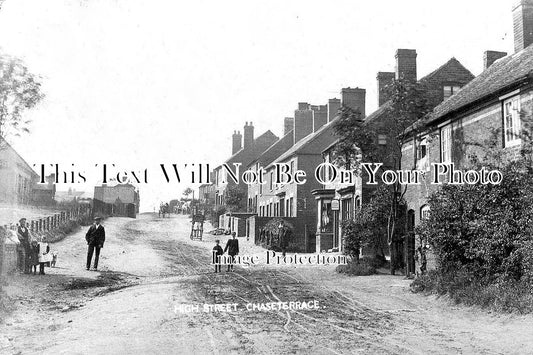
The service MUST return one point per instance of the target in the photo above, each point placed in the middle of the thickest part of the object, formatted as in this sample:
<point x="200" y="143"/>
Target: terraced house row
<point x="466" y="111"/>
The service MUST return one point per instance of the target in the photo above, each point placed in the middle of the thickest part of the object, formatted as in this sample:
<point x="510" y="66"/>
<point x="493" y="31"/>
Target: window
<point x="292" y="167"/>
<point x="421" y="155"/>
<point x="326" y="220"/>
<point x="511" y="118"/>
<point x="449" y="90"/>
<point x="271" y="180"/>
<point x="424" y="212"/>
<point x="446" y="144"/>
<point x="291" y="204"/>
<point x="382" y="139"/>
<point x="347" y="209"/>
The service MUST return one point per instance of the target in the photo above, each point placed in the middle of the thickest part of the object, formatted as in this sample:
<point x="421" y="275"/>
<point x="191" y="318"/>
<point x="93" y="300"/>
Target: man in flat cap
<point x="95" y="238"/>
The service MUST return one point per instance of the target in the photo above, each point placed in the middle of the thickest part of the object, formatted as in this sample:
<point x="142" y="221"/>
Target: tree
<point x="19" y="91"/>
<point x="358" y="142"/>
<point x="187" y="192"/>
<point x="234" y="198"/>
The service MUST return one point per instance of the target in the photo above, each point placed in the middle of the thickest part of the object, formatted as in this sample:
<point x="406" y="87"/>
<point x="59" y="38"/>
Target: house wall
<point x="16" y="178"/>
<point x="472" y="135"/>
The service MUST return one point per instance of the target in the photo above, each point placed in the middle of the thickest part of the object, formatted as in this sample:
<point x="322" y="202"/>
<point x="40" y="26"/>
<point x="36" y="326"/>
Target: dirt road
<point x="152" y="277"/>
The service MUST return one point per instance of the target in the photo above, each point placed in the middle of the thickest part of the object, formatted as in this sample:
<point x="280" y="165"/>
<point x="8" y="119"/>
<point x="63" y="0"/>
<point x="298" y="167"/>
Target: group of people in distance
<point x="32" y="251"/>
<point x="232" y="247"/>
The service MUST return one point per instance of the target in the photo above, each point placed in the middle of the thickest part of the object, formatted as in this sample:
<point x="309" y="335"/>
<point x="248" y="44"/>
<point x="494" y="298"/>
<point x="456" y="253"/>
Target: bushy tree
<point x="234" y="198"/>
<point x="358" y="142"/>
<point x="483" y="228"/>
<point x="368" y="228"/>
<point x="19" y="91"/>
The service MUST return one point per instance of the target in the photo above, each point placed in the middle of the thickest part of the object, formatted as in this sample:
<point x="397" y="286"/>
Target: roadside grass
<point x="505" y="296"/>
<point x="362" y="267"/>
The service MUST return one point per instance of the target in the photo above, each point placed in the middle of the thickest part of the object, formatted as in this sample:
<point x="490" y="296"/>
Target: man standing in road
<point x="95" y="238"/>
<point x="232" y="247"/>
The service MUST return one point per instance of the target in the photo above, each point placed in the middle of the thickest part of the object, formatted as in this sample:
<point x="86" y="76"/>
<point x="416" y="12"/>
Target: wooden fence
<point x="38" y="227"/>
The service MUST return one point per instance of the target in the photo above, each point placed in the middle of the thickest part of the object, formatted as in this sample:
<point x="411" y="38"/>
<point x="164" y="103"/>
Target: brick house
<point x="264" y="160"/>
<point x="206" y="194"/>
<point x="250" y="150"/>
<point x="119" y="200"/>
<point x="312" y="132"/>
<point x="344" y="199"/>
<point x="491" y="108"/>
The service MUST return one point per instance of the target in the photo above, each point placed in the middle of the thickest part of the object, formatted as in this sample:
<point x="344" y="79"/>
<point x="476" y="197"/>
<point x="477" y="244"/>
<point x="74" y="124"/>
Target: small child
<point x="217" y="252"/>
<point x="34" y="256"/>
<point x="44" y="256"/>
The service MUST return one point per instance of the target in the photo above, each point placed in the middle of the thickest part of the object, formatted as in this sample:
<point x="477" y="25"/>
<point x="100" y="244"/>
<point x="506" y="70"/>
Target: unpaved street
<point x="150" y="268"/>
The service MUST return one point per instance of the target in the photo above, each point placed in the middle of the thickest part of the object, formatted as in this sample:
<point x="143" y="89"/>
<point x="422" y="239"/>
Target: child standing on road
<point x="34" y="256"/>
<point x="217" y="252"/>
<point x="44" y="255"/>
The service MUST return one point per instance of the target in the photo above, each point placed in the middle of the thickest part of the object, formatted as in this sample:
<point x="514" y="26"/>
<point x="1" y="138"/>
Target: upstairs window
<point x="511" y="121"/>
<point x="446" y="144"/>
<point x="422" y="155"/>
<point x="424" y="212"/>
<point x="382" y="139"/>
<point x="449" y="90"/>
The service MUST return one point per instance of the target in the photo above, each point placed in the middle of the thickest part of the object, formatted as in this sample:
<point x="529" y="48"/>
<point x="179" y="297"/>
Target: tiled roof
<point x="452" y="68"/>
<point x="304" y="142"/>
<point x="5" y="145"/>
<point x="501" y="75"/>
<point x="258" y="148"/>
<point x="275" y="150"/>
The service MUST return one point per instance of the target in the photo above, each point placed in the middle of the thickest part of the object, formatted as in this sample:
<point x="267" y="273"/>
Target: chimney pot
<point x="236" y="142"/>
<point x="288" y="124"/>
<point x="406" y="65"/>
<point x="303" y="123"/>
<point x="320" y="116"/>
<point x="523" y="24"/>
<point x="384" y="79"/>
<point x="490" y="57"/>
<point x="354" y="99"/>
<point x="333" y="108"/>
<point x="248" y="139"/>
<point x="303" y="106"/>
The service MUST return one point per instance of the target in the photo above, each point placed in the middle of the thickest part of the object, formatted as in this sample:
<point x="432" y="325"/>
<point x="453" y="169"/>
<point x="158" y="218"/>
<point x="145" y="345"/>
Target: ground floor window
<point x="326" y="217"/>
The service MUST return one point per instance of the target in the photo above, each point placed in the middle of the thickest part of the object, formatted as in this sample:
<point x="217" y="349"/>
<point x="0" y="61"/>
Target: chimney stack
<point x="384" y="79"/>
<point x="406" y="65"/>
<point x="354" y="99"/>
<point x="248" y="139"/>
<point x="236" y="142"/>
<point x="303" y="122"/>
<point x="320" y="116"/>
<point x="288" y="124"/>
<point x="333" y="108"/>
<point x="523" y="24"/>
<point x="490" y="57"/>
<point x="303" y="106"/>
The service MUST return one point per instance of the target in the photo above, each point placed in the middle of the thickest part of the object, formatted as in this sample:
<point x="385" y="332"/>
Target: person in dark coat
<point x="232" y="247"/>
<point x="95" y="238"/>
<point x="34" y="257"/>
<point x="217" y="253"/>
<point x="23" y="234"/>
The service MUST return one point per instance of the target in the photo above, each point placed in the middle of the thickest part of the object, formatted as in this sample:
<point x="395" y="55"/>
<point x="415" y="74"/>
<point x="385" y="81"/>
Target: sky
<point x="140" y="83"/>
